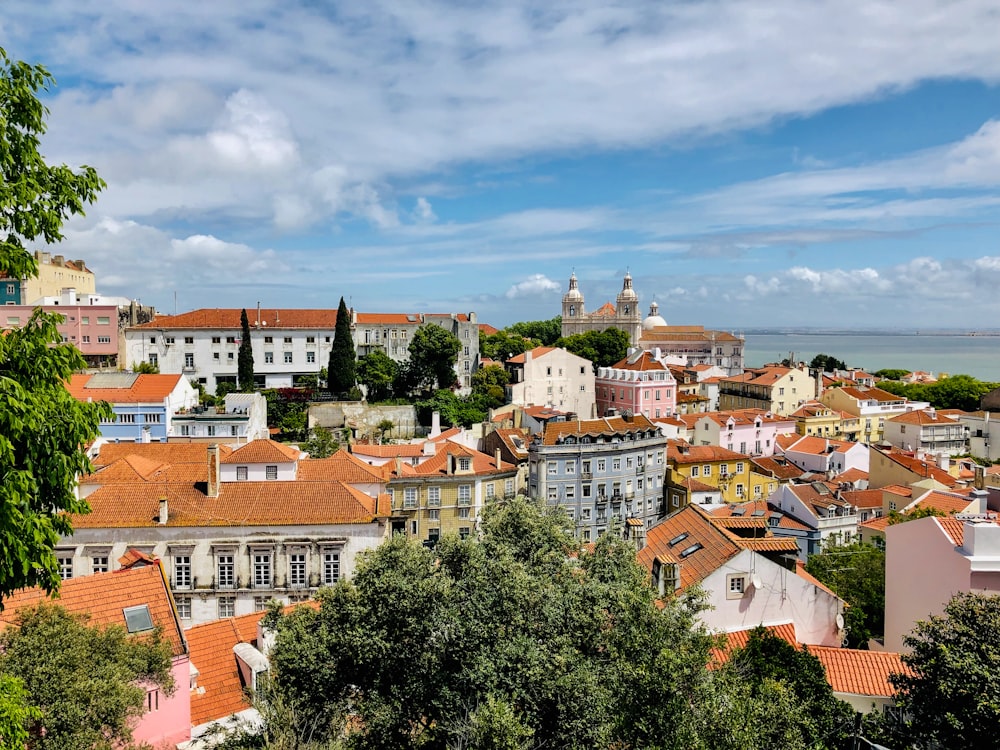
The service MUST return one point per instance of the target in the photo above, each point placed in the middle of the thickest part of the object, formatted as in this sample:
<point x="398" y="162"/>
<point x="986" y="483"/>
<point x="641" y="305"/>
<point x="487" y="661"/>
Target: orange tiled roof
<point x="480" y="464"/>
<point x="687" y="333"/>
<point x="268" y="503"/>
<point x="605" y="310"/>
<point x="146" y="389"/>
<point x="487" y="329"/>
<point x="644" y="362"/>
<point x="862" y="393"/>
<point x="943" y="502"/>
<point x="817" y="446"/>
<point x="220" y="690"/>
<point x="104" y="596"/>
<point x="760" y="376"/>
<point x="851" y="475"/>
<point x="923" y="417"/>
<point x="954" y="528"/>
<point x="922" y="468"/>
<point x="777" y="467"/>
<point x="607" y="426"/>
<point x="404" y="450"/>
<point x="230" y="319"/>
<point x="538" y="351"/>
<point x="341" y="466"/>
<point x="875" y="524"/>
<point x="859" y="672"/>
<point x="682" y="452"/>
<point x="740" y="638"/>
<point x="864" y="498"/>
<point x="744" y="416"/>
<point x="262" y="452"/>
<point x="800" y="570"/>
<point x="542" y="412"/>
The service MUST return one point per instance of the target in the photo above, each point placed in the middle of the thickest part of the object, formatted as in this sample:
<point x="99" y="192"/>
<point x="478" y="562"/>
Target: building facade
<point x="927" y="430"/>
<point x="872" y="407"/>
<point x="93" y="329"/>
<point x="546" y="376"/>
<point x="780" y="390"/>
<point x="639" y="384"/>
<point x="623" y="314"/>
<point x="601" y="471"/>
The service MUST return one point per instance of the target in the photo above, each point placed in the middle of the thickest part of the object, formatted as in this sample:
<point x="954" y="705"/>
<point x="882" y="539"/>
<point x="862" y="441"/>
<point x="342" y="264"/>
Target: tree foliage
<point x="827" y="363"/>
<point x="503" y="345"/>
<point x="953" y="392"/>
<point x="891" y="373"/>
<point x="340" y="372"/>
<point x="244" y="360"/>
<point x="86" y="682"/>
<point x="433" y="353"/>
<point x="377" y="372"/>
<point x="602" y="348"/>
<point x="515" y="640"/>
<point x="856" y="573"/>
<point x="17" y="715"/>
<point x="545" y="332"/>
<point x="320" y="443"/>
<point x="42" y="427"/>
<point x="454" y="410"/>
<point x="488" y="384"/>
<point x="145" y="368"/>
<point x="952" y="692"/>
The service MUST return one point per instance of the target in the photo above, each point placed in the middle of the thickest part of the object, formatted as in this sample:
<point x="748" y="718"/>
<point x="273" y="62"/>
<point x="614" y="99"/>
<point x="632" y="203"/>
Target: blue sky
<point x="751" y="164"/>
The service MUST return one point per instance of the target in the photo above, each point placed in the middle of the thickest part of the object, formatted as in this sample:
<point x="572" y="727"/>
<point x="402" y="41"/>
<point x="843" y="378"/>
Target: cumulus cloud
<point x="536" y="285"/>
<point x="422" y="211"/>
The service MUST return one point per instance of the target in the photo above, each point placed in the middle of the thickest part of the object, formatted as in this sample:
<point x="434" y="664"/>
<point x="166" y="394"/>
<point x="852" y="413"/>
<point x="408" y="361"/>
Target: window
<point x="706" y="470"/>
<point x="262" y="569"/>
<point x="210" y="430"/>
<point x="410" y="497"/>
<point x="310" y="339"/>
<point x="288" y="339"/>
<point x="230" y="356"/>
<point x="104" y="320"/>
<point x="463" y="512"/>
<point x="103" y="339"/>
<point x="490" y="491"/>
<point x="271" y="472"/>
<point x="189" y="339"/>
<point x="151" y="418"/>
<point x="99" y="564"/>
<point x="242" y="472"/>
<point x="553" y="467"/>
<point x="739" y="467"/>
<point x="311" y="357"/>
<point x="138" y="619"/>
<point x="268" y="339"/>
<point x="65" y="560"/>
<point x="414" y="528"/>
<point x="288" y="358"/>
<point x="189" y="360"/>
<point x="331" y="567"/>
<point x="739" y="490"/>
<point x="463" y="532"/>
<point x="215" y="356"/>
<point x="297" y="570"/>
<point x="216" y="339"/>
<point x="602" y="465"/>
<point x="227" y="606"/>
<point x="464" y="494"/>
<point x="234" y="430"/>
<point x="434" y="515"/>
<point x="586" y="514"/>
<point x="433" y="495"/>
<point x="571" y="467"/>
<point x="185" y="429"/>
<point x="616" y="464"/>
<point x="268" y="358"/>
<point x="154" y="360"/>
<point x="464" y="463"/>
<point x="735" y="586"/>
<point x="259" y="603"/>
<point x="226" y="571"/>
<point x="586" y="490"/>
<point x="182" y="571"/>
<point x="508" y="486"/>
<point x="125" y="418"/>
<point x="694" y="471"/>
<point x="183" y="607"/>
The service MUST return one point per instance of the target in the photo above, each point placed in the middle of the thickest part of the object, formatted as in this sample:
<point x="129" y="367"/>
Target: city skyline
<point x="751" y="164"/>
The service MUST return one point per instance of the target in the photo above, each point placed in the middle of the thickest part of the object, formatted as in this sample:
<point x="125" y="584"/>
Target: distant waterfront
<point x="978" y="356"/>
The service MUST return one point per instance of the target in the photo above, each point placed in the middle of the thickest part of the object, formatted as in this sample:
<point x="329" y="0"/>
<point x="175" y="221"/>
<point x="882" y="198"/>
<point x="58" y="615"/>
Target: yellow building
<point x="715" y="466"/>
<point x="55" y="273"/>
<point x="780" y="390"/>
<point x="815" y="418"/>
<point x="446" y="494"/>
<point x="871" y="406"/>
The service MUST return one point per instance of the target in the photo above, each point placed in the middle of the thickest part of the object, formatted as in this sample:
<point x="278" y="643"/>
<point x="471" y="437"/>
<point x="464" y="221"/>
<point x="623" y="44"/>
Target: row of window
<point x="706" y="470"/>
<point x="147" y="418"/>
<point x="433" y="494"/>
<point x="261" y="570"/>
<point x="587" y="490"/>
<point x="218" y="339"/>
<point x="188" y="430"/>
<point x="569" y="466"/>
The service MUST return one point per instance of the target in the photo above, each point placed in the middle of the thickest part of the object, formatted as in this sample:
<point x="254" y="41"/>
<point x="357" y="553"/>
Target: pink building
<point x="928" y="561"/>
<point x="749" y="431"/>
<point x="93" y="329"/>
<point x="641" y="384"/>
<point x="136" y="598"/>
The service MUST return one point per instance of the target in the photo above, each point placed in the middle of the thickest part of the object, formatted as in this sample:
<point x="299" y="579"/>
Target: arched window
<point x="572" y="311"/>
<point x="627" y="309"/>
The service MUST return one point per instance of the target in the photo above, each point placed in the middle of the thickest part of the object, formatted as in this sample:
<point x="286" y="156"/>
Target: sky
<point x="751" y="164"/>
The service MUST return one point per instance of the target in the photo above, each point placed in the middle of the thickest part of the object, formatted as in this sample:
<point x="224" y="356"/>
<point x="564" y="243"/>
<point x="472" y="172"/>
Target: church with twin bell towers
<point x="623" y="314"/>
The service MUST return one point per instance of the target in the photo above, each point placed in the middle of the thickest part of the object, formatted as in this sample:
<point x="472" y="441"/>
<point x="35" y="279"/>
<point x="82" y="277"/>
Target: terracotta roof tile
<point x="341" y="466"/>
<point x="864" y="498"/>
<point x="954" y="528"/>
<point x="405" y="450"/>
<point x="608" y="426"/>
<point x="800" y="570"/>
<point x="740" y="638"/>
<point x="481" y="464"/>
<point x="146" y="389"/>
<point x="682" y="452"/>
<point x="945" y="503"/>
<point x="857" y="672"/>
<point x="777" y="467"/>
<point x="262" y="452"/>
<point x="104" y="596"/>
<point x="220" y="690"/>
<point x="230" y="319"/>
<point x="538" y="351"/>
<point x="927" y="417"/>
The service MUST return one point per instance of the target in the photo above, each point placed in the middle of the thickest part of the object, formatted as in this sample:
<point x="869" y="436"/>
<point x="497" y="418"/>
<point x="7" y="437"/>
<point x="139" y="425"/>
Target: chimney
<point x="430" y="447"/>
<point x="435" y="424"/>
<point x="451" y="464"/>
<point x="213" y="471"/>
<point x="399" y="466"/>
<point x="497" y="456"/>
<point x="163" y="512"/>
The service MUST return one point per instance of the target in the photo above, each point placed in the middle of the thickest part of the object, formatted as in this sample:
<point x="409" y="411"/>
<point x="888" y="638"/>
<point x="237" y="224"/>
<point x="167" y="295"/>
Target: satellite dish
<point x="755" y="581"/>
<point x="840" y="621"/>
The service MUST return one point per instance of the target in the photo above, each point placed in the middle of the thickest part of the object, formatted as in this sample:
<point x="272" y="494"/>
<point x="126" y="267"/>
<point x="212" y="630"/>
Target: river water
<point x="978" y="356"/>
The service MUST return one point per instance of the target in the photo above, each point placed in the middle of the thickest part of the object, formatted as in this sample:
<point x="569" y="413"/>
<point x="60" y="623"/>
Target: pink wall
<point x="170" y="722"/>
<point x="639" y="397"/>
<point x="74" y="328"/>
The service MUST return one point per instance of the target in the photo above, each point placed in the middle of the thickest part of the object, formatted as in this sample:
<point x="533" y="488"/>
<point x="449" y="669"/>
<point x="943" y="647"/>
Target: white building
<point x="546" y="376"/>
<point x="744" y="580"/>
<point x="204" y="345"/>
<point x="819" y="507"/>
<point x="984" y="434"/>
<point x="234" y="528"/>
<point x="749" y="431"/>
<point x="242" y="419"/>
<point x="822" y="455"/>
<point x="927" y="430"/>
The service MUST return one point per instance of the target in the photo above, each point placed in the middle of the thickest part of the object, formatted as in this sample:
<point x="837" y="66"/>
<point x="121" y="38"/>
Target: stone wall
<point x="363" y="419"/>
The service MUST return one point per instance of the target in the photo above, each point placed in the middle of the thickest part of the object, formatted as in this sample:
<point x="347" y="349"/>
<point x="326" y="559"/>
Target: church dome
<point x="627" y="292"/>
<point x="654" y="320"/>
<point x="574" y="292"/>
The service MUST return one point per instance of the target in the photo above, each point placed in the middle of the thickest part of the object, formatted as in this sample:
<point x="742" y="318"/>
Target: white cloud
<point x="534" y="286"/>
<point x="422" y="211"/>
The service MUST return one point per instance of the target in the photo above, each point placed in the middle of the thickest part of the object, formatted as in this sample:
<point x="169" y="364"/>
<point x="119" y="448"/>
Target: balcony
<point x="586" y="475"/>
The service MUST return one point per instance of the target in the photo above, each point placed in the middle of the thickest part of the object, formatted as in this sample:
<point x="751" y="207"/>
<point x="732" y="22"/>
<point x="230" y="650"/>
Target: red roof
<point x="230" y="319"/>
<point x="858" y="672"/>
<point x="262" y="452"/>
<point x="220" y="691"/>
<point x="146" y="389"/>
<point x="538" y="351"/>
<point x="105" y="596"/>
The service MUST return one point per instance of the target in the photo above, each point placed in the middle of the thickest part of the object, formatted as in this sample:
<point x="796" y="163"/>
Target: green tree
<point x="891" y="374"/>
<point x="17" y="715"/>
<point x="244" y="361"/>
<point x="602" y="348"/>
<point x="856" y="573"/>
<point x="545" y="332"/>
<point x="87" y="682"/>
<point x="340" y="377"/>
<point x="952" y="691"/>
<point x="488" y="384"/>
<point x="515" y="640"/>
<point x="767" y="659"/>
<point x="433" y="353"/>
<point x="145" y="368"/>
<point x="377" y="372"/>
<point x="502" y="345"/>
<point x="42" y="427"/>
<point x="384" y="426"/>
<point x="321" y="443"/>
<point x="826" y="363"/>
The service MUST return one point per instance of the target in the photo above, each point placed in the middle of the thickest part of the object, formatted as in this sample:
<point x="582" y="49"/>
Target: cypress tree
<point x="340" y="377"/>
<point x="244" y="369"/>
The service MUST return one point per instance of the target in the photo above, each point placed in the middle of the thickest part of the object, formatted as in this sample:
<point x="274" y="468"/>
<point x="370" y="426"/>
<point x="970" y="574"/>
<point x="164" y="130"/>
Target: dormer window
<point x="464" y="463"/>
